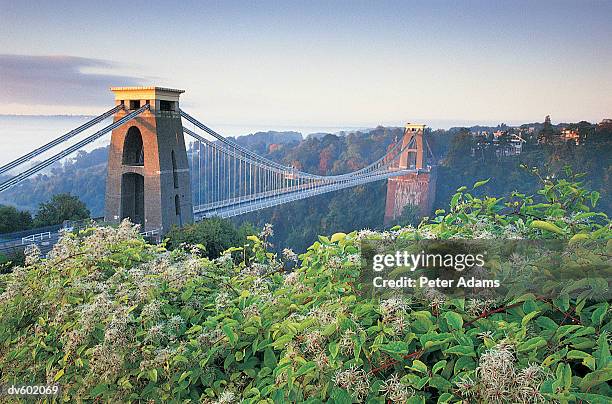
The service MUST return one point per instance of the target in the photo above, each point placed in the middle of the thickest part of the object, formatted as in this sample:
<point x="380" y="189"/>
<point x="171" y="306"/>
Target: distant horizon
<point x="304" y="129"/>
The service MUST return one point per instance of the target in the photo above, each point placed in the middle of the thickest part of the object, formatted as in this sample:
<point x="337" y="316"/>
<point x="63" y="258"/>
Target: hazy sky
<point x="310" y="63"/>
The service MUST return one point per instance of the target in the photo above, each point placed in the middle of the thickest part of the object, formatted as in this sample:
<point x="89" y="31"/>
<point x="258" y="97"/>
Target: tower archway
<point x="133" y="150"/>
<point x="133" y="198"/>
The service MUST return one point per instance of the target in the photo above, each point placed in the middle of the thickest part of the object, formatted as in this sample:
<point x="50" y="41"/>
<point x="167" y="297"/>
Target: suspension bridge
<point x="150" y="182"/>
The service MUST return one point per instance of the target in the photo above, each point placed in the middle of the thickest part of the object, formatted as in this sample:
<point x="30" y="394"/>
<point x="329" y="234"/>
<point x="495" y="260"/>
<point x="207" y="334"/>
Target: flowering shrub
<point x="111" y="318"/>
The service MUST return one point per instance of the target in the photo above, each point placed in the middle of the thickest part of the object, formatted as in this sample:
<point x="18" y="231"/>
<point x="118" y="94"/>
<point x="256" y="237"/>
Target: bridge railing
<point x="153" y="235"/>
<point x="36" y="237"/>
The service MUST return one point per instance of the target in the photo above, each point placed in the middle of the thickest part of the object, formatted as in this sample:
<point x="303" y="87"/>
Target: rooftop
<point x="146" y="93"/>
<point x="148" y="88"/>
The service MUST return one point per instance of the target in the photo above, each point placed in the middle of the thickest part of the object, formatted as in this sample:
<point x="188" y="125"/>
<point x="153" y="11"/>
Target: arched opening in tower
<point x="174" y="172"/>
<point x="132" y="198"/>
<point x="133" y="150"/>
<point x="177" y="210"/>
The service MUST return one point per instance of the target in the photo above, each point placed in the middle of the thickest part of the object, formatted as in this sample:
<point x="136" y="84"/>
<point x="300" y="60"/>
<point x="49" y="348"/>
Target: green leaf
<point x="454" y="200"/>
<point x="554" y="358"/>
<point x="438" y="366"/>
<point x="461" y="350"/>
<point x="587" y="359"/>
<point x="396" y="347"/>
<point x="419" y="366"/>
<point x="599" y="314"/>
<point x="454" y="320"/>
<point x="481" y="183"/>
<point x="445" y="398"/>
<point x="440" y="383"/>
<point x="464" y="362"/>
<point x="594" y="198"/>
<point x="592" y="398"/>
<point x="194" y="329"/>
<point x="250" y="330"/>
<point x="337" y="237"/>
<point x="184" y="375"/>
<point x="532" y="344"/>
<point x="416" y="400"/>
<point x="230" y="333"/>
<point x="334" y="349"/>
<point x="341" y="396"/>
<point x="528" y="317"/>
<point x="305" y="368"/>
<point x="542" y="225"/>
<point x="329" y="330"/>
<point x="594" y="378"/>
<point x="567" y="377"/>
<point x="152" y="374"/>
<point x="186" y="294"/>
<point x="282" y="341"/>
<point x="98" y="390"/>
<point x="603" y="351"/>
<point x="58" y="375"/>
<point x="270" y="358"/>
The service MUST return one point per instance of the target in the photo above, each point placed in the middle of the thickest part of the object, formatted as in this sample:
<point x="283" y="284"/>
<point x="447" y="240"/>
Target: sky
<point x="292" y="64"/>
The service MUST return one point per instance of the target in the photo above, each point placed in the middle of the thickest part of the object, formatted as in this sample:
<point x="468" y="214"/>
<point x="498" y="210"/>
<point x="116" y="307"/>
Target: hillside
<point x="462" y="157"/>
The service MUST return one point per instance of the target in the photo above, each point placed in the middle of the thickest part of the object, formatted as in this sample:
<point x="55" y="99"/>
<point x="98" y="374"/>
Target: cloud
<point x="53" y="80"/>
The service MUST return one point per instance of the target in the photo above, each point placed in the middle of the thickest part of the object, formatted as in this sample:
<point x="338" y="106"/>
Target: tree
<point x="547" y="133"/>
<point x="410" y="216"/>
<point x="12" y="219"/>
<point x="460" y="150"/>
<point x="215" y="234"/>
<point x="61" y="207"/>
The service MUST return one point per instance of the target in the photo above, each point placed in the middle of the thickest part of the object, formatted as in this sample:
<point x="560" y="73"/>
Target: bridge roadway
<point x="268" y="199"/>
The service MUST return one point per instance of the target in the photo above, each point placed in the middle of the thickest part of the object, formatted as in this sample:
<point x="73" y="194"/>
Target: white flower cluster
<point x="98" y="243"/>
<point x="354" y="259"/>
<point x="151" y="311"/>
<point x="32" y="254"/>
<point x="291" y="278"/>
<point x="266" y="232"/>
<point x="66" y="247"/>
<point x="366" y="234"/>
<point x="227" y="397"/>
<point x="323" y="316"/>
<point x="347" y="342"/>
<point x="393" y="311"/>
<point x="498" y="380"/>
<point x="313" y="342"/>
<point x="289" y="255"/>
<point x="354" y="380"/>
<point x="395" y="391"/>
<point x="104" y="364"/>
<point x="475" y="307"/>
<point x="159" y="359"/>
<point x="335" y="262"/>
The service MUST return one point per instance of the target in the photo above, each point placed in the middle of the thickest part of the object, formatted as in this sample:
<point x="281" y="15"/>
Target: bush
<point x="11" y="260"/>
<point x="213" y="235"/>
<point x="12" y="220"/>
<point x="111" y="318"/>
<point x="61" y="207"/>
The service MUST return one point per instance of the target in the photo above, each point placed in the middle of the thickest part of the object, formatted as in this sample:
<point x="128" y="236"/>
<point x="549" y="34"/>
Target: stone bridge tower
<point x="148" y="173"/>
<point x="416" y="188"/>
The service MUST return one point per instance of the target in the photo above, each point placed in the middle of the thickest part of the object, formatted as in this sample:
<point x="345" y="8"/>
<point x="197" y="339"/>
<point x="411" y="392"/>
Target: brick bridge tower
<point x="148" y="173"/>
<point x="415" y="188"/>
